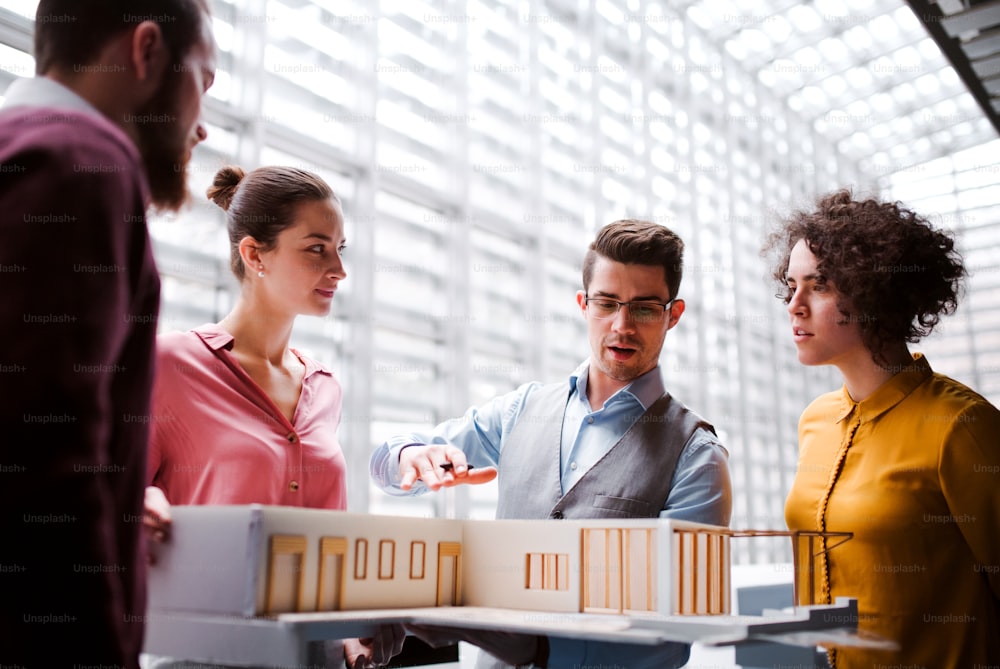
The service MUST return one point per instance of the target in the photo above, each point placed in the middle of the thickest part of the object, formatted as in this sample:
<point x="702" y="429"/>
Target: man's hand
<point x="375" y="651"/>
<point x="156" y="518"/>
<point x="512" y="648"/>
<point x="439" y="466"/>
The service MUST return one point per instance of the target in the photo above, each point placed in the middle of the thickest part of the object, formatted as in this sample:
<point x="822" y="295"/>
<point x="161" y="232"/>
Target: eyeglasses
<point x="639" y="312"/>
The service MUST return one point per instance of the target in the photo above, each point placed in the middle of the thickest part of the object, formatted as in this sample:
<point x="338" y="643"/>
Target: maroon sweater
<point x="79" y="296"/>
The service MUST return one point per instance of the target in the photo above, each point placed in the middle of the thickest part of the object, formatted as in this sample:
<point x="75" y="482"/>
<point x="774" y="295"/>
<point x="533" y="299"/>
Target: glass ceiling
<point x="865" y="72"/>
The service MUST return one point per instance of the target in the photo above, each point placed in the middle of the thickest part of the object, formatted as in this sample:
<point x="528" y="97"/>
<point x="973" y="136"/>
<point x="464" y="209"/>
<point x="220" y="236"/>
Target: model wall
<point x="206" y="565"/>
<point x="496" y="558"/>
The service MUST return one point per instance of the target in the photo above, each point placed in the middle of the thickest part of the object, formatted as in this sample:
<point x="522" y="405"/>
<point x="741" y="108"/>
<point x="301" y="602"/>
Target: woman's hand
<point x="375" y="651"/>
<point x="156" y="518"/>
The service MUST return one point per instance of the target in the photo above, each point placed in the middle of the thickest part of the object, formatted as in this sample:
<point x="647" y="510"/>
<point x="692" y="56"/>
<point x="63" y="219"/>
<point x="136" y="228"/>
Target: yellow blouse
<point x="914" y="472"/>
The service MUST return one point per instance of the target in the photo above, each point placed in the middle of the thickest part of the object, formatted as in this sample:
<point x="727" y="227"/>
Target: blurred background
<point x="477" y="146"/>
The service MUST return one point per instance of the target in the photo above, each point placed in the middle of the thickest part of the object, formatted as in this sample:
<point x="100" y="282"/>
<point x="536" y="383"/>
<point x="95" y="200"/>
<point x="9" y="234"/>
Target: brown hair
<point x="72" y="33"/>
<point x="896" y="273"/>
<point x="262" y="203"/>
<point x="635" y="242"/>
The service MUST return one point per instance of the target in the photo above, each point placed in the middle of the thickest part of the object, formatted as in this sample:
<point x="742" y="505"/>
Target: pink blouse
<point x="217" y="438"/>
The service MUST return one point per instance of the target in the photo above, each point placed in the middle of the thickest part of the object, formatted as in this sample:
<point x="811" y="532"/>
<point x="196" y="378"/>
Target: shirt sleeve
<point x="159" y="407"/>
<point x="970" y="480"/>
<point x="66" y="308"/>
<point x="479" y="434"/>
<point x="701" y="490"/>
<point x="74" y="417"/>
<point x="173" y="415"/>
<point x="68" y="313"/>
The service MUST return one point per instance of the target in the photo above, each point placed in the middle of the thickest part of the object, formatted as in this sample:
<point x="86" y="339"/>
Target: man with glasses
<point x="608" y="442"/>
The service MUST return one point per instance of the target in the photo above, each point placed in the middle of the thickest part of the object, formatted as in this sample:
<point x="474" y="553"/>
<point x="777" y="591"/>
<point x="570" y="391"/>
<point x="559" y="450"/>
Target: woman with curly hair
<point x="905" y="458"/>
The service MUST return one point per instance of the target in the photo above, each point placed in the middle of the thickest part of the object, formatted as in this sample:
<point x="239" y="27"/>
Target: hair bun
<point x="224" y="185"/>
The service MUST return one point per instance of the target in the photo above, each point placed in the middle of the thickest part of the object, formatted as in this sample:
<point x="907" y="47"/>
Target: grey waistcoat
<point x="631" y="481"/>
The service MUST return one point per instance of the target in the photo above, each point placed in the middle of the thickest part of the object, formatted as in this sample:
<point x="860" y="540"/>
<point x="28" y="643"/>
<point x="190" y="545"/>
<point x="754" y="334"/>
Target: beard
<point x="163" y="147"/>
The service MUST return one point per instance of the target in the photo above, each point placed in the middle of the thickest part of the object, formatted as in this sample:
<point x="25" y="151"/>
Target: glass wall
<point x="478" y="145"/>
<point x="961" y="193"/>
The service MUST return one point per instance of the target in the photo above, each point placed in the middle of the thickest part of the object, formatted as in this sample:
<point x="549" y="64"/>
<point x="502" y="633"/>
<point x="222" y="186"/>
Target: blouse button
<point x="590" y="420"/>
<point x="292" y="438"/>
<point x="293" y="486"/>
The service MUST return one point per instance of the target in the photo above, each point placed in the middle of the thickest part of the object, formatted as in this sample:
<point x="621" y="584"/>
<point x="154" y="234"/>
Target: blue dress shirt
<point x="700" y="490"/>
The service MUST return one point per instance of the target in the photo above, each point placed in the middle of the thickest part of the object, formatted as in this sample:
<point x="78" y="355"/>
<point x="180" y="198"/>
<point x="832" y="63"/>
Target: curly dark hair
<point x="895" y="272"/>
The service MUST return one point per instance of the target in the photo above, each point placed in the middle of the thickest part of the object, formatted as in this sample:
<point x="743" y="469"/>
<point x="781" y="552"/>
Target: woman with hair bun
<point x="239" y="417"/>
<point x="905" y="458"/>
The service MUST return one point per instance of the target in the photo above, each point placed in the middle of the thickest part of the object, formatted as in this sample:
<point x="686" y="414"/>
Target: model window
<point x="361" y="559"/>
<point x="386" y="559"/>
<point x="547" y="571"/>
<point x="418" y="553"/>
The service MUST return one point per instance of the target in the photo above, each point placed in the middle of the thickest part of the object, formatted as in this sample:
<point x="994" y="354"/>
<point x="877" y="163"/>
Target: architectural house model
<point x="258" y="583"/>
<point x="259" y="560"/>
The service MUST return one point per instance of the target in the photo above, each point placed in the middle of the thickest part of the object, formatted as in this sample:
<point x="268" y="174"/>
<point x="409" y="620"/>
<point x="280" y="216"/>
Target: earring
<point x="261" y="272"/>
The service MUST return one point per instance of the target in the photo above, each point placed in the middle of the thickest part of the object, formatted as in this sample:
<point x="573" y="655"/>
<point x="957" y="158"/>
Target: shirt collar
<point x="216" y="338"/>
<point x="45" y="92"/>
<point x="645" y="389"/>
<point x="890" y="393"/>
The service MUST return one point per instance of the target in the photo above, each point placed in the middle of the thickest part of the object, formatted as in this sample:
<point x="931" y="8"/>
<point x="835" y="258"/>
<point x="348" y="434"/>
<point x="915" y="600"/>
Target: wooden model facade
<point x="264" y="560"/>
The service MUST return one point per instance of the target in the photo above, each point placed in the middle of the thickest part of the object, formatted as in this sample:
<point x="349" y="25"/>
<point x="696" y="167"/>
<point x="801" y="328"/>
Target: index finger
<point x="474" y="476"/>
<point x="455" y="461"/>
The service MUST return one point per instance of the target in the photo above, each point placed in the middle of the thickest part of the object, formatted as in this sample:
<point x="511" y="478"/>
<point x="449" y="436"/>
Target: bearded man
<point x="102" y="132"/>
